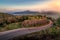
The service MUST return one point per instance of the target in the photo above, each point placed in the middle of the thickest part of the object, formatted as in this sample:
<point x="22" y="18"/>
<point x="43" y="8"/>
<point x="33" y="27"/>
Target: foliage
<point x="36" y="22"/>
<point x="8" y="21"/>
<point x="48" y="34"/>
<point x="14" y="26"/>
<point x="58" y="21"/>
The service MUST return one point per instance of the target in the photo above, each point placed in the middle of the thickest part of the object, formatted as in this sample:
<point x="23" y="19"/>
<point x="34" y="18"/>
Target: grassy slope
<point x="5" y="15"/>
<point x="48" y="34"/>
<point x="14" y="25"/>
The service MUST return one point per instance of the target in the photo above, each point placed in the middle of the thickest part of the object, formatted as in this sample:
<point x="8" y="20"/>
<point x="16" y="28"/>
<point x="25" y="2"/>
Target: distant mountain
<point x="34" y="12"/>
<point x="26" y="12"/>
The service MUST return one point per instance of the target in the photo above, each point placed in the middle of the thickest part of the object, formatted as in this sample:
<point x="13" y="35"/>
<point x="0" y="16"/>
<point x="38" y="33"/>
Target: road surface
<point x="22" y="31"/>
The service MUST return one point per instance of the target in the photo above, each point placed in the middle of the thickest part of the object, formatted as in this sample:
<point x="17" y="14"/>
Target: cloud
<point x="53" y="5"/>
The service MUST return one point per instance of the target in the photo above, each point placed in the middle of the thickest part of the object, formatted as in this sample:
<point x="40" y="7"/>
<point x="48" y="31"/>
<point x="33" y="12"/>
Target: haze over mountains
<point x="28" y="12"/>
<point x="34" y="12"/>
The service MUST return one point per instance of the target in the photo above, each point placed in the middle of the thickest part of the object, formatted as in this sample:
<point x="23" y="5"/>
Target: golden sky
<point x="53" y="5"/>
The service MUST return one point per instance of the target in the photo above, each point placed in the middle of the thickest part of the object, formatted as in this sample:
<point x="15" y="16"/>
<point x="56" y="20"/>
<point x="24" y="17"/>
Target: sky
<point x="35" y="5"/>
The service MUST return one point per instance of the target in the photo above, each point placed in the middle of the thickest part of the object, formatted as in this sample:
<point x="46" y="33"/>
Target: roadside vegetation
<point x="9" y="22"/>
<point x="52" y="33"/>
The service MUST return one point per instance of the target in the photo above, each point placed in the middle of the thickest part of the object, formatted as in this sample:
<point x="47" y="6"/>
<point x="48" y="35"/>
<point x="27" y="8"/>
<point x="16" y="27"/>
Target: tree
<point x="24" y="18"/>
<point x="58" y="21"/>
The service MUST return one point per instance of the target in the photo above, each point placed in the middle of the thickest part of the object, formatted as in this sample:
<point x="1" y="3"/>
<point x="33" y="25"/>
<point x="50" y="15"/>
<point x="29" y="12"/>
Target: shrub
<point x="58" y="21"/>
<point x="35" y="22"/>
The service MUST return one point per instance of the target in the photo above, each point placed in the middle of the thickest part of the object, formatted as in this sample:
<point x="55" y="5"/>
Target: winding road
<point x="22" y="31"/>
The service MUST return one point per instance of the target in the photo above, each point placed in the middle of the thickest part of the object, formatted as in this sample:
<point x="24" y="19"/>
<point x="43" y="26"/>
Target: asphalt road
<point x="22" y="31"/>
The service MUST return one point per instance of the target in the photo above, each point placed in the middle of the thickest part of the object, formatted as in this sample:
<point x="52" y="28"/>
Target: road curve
<point x="22" y="31"/>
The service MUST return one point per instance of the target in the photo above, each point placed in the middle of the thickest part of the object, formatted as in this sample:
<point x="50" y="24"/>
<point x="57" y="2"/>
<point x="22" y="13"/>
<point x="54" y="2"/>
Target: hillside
<point x="6" y="18"/>
<point x="5" y="15"/>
